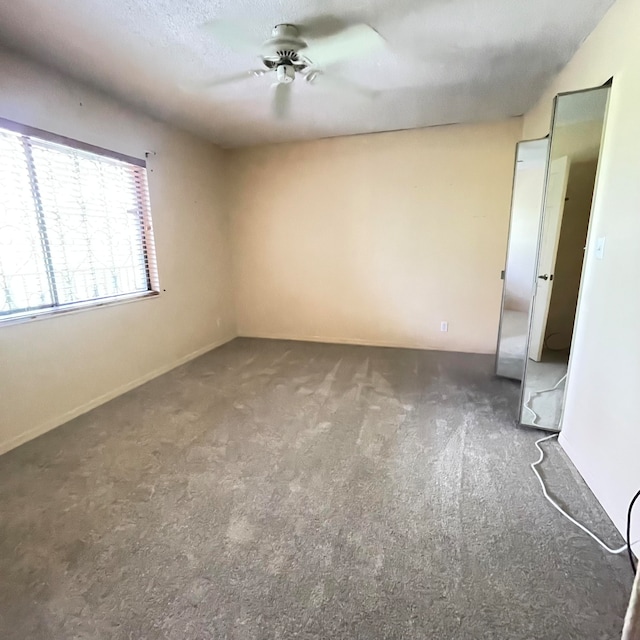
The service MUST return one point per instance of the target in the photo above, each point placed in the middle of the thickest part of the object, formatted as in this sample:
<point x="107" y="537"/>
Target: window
<point x="75" y="228"/>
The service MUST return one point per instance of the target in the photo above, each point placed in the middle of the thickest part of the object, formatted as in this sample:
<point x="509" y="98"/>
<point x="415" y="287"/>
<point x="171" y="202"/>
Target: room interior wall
<point x="55" y="368"/>
<point x="375" y="239"/>
<point x="600" y="427"/>
<point x="581" y="142"/>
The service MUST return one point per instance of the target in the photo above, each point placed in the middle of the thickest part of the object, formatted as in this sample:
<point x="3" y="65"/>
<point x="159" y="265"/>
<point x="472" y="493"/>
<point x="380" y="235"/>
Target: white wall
<point x="375" y="239"/>
<point x="55" y="368"/>
<point x="601" y="428"/>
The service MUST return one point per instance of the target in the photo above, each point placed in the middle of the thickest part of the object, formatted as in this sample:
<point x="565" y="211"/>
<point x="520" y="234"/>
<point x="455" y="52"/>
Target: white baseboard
<point x="52" y="423"/>
<point x="359" y="341"/>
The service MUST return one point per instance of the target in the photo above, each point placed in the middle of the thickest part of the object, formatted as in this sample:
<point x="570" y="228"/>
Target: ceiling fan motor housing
<point x="284" y="37"/>
<point x="280" y="52"/>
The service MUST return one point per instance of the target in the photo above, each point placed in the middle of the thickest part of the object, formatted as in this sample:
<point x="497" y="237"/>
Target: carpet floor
<point x="274" y="489"/>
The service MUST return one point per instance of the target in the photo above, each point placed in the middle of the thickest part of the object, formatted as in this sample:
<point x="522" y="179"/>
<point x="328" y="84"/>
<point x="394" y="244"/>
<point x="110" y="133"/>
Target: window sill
<point x="78" y="307"/>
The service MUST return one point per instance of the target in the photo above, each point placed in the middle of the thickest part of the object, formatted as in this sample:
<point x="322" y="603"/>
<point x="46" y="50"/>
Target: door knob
<point x="544" y="277"/>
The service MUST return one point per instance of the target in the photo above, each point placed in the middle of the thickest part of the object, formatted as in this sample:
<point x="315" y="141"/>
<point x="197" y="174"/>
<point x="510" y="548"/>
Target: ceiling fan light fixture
<point x="285" y="73"/>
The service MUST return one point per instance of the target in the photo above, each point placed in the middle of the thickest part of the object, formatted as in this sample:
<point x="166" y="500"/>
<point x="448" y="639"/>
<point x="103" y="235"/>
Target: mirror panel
<point x="576" y="134"/>
<point x="526" y="209"/>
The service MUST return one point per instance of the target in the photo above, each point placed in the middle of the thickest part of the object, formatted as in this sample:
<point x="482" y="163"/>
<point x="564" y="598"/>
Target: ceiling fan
<point x="287" y="55"/>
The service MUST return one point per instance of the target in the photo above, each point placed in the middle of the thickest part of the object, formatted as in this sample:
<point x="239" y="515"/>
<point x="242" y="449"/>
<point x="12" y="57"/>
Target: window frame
<point x="148" y="244"/>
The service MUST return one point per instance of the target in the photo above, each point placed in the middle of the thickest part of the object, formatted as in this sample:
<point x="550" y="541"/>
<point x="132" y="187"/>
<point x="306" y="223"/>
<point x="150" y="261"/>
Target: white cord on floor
<point x="527" y="406"/>
<point x="559" y="508"/>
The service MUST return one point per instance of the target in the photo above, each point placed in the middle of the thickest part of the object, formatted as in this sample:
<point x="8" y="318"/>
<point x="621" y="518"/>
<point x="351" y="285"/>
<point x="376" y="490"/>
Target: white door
<point x="551" y="224"/>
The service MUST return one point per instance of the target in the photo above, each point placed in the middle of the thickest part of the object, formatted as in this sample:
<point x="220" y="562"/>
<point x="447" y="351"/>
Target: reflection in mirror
<point x="571" y="172"/>
<point x="526" y="208"/>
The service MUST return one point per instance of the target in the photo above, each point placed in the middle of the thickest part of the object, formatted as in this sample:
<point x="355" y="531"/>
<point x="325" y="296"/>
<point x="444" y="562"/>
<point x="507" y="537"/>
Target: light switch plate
<point x="600" y="248"/>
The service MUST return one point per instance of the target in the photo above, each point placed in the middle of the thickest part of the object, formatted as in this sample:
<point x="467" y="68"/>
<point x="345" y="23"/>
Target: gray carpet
<point x="288" y="490"/>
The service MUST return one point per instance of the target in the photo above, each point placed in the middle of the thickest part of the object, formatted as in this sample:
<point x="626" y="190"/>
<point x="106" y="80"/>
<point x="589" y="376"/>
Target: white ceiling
<point x="445" y="61"/>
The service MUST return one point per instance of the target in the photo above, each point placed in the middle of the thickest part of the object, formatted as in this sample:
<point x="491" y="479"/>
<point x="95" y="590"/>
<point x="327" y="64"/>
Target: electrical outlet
<point x="444" y="326"/>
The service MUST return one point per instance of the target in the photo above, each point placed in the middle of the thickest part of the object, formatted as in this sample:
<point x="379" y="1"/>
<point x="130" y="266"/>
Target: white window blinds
<point x="74" y="226"/>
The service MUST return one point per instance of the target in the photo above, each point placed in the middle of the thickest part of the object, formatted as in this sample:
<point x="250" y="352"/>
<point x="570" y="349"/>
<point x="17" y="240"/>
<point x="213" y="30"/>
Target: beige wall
<point x="375" y="239"/>
<point x="55" y="368"/>
<point x="601" y="430"/>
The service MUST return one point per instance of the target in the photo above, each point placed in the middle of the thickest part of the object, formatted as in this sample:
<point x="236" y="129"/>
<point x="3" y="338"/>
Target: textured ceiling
<point x="445" y="61"/>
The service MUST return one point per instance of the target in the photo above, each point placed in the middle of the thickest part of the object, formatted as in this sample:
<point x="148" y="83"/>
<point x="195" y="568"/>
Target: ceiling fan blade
<point x="233" y="35"/>
<point x="236" y="77"/>
<point x="358" y="40"/>
<point x="337" y="83"/>
<point x="281" y="100"/>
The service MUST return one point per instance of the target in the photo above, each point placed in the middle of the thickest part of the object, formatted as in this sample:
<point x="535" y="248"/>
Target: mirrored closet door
<point x="550" y="214"/>
<point x="522" y="249"/>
